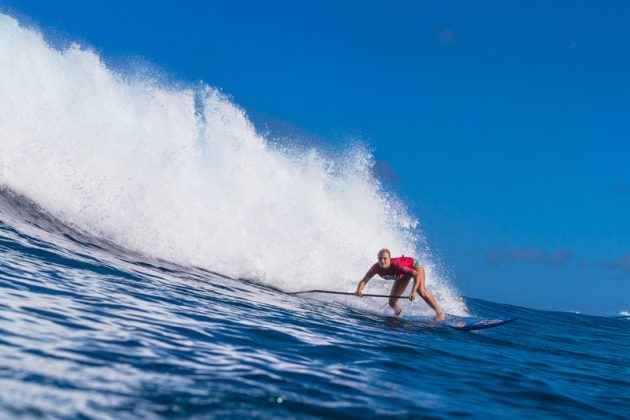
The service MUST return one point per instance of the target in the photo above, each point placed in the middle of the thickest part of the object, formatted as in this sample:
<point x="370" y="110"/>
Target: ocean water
<point x="149" y="235"/>
<point x="90" y="330"/>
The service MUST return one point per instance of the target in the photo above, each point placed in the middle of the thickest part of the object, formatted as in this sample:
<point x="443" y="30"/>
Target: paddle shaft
<point x="331" y="292"/>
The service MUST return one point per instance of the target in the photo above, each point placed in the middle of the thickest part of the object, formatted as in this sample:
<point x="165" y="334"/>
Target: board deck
<point x="461" y="323"/>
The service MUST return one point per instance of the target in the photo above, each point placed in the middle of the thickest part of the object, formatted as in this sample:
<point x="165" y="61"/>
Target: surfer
<point x="401" y="270"/>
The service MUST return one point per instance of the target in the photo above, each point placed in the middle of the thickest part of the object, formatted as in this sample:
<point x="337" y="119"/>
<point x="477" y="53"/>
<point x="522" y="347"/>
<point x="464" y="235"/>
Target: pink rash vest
<point x="398" y="268"/>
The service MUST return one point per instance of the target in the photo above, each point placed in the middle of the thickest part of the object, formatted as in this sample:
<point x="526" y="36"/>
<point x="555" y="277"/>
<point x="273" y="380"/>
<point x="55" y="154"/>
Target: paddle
<point x="331" y="292"/>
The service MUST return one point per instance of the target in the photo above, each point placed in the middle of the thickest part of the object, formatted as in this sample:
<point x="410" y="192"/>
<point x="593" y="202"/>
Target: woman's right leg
<point x="398" y="289"/>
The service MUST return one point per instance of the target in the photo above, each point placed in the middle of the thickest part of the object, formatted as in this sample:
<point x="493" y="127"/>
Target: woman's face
<point x="384" y="259"/>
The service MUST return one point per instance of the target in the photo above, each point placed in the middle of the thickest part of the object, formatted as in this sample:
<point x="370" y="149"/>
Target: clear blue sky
<point x="505" y="125"/>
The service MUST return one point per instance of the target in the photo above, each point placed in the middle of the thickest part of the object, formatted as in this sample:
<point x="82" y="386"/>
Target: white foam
<point x="181" y="174"/>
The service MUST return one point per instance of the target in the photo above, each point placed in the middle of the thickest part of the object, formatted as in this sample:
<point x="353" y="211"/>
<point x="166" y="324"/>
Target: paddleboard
<point x="461" y="323"/>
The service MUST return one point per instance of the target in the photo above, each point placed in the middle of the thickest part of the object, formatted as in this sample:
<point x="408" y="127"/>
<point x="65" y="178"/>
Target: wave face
<point x="181" y="174"/>
<point x="92" y="330"/>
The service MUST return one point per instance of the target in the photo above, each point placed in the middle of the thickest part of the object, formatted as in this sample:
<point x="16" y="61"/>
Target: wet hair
<point x="383" y="251"/>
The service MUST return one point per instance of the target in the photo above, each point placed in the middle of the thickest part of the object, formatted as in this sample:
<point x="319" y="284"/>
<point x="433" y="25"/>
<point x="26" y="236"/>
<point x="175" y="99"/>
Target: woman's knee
<point x="424" y="294"/>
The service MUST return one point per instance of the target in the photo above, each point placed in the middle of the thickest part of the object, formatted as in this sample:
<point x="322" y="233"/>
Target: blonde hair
<point x="383" y="251"/>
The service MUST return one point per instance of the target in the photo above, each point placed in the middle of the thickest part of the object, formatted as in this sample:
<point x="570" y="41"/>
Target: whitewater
<point x="149" y="236"/>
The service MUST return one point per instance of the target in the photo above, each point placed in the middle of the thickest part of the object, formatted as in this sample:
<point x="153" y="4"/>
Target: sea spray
<point x="181" y="174"/>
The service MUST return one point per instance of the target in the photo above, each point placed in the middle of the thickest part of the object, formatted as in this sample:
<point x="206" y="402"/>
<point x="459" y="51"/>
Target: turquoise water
<point x="89" y="330"/>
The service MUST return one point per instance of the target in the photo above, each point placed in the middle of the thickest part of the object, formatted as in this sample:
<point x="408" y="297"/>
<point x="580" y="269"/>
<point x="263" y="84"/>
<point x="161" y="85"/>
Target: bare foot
<point x="439" y="317"/>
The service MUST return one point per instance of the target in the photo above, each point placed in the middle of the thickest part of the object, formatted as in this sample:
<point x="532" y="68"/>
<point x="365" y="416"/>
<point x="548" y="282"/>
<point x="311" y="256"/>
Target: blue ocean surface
<point x="91" y="330"/>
